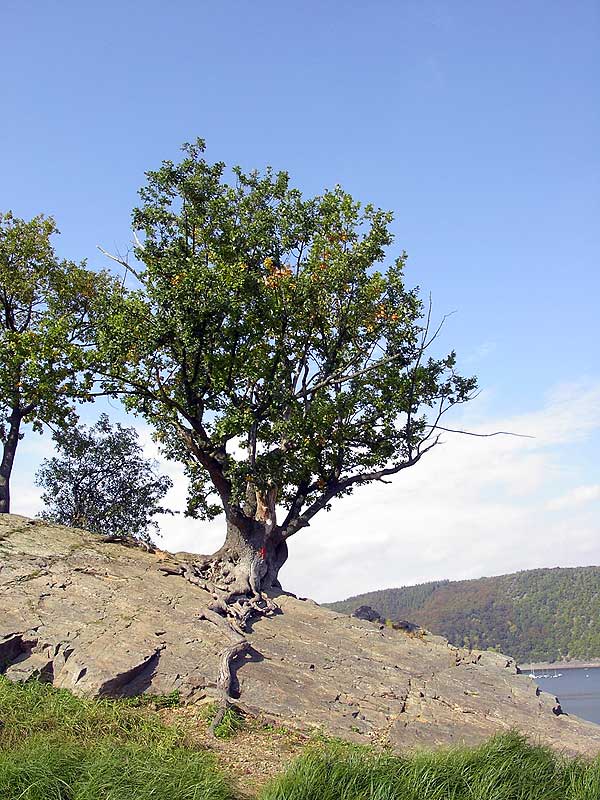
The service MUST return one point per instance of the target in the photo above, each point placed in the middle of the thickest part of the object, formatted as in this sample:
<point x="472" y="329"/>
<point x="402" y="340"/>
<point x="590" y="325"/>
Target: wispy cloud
<point x="480" y="353"/>
<point x="579" y="496"/>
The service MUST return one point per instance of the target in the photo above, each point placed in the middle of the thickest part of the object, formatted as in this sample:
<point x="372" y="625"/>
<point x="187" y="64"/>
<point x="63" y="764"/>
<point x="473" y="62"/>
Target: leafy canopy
<point x="101" y="481"/>
<point x="44" y="302"/>
<point x="264" y="345"/>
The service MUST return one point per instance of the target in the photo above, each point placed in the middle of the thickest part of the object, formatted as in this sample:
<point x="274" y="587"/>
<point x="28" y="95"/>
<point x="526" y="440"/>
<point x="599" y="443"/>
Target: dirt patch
<point x="260" y="750"/>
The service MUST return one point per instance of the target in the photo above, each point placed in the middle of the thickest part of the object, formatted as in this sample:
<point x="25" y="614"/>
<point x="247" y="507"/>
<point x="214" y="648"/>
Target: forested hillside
<point x="535" y="615"/>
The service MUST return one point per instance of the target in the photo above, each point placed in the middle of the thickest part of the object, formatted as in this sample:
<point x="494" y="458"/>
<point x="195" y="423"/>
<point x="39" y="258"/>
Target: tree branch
<point x="482" y="435"/>
<point x="120" y="261"/>
<point x="303" y="520"/>
<point x="208" y="461"/>
<point x="337" y="377"/>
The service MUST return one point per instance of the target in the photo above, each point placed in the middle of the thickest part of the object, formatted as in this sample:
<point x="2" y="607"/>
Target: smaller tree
<point x="101" y="481"/>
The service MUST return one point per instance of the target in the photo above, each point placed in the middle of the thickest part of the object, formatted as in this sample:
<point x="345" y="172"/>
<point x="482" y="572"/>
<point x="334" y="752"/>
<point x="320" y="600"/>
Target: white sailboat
<point x="556" y="674"/>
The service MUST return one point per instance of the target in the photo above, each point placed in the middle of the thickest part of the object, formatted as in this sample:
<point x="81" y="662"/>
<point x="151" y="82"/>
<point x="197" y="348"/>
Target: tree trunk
<point x="254" y="548"/>
<point x="248" y="563"/>
<point x="8" y="458"/>
<point x="252" y="555"/>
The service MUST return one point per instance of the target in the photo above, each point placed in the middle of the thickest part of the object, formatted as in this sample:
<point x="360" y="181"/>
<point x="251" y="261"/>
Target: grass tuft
<point x="154" y="701"/>
<point x="232" y="721"/>
<point x="54" y="746"/>
<point x="507" y="767"/>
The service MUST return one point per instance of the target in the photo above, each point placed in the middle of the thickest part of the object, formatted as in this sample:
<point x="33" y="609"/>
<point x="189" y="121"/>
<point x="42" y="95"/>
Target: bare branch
<point x="437" y="331"/>
<point x="120" y="261"/>
<point x="336" y="377"/>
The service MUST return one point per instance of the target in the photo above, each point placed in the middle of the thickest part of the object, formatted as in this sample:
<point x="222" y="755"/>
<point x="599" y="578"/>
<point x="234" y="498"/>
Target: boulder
<point x="368" y="613"/>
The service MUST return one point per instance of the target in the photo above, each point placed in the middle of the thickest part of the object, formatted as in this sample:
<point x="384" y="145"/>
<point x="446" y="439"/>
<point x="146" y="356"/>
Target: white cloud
<point x="578" y="496"/>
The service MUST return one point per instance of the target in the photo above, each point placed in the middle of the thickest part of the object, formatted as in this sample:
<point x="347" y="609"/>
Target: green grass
<point x="35" y="707"/>
<point x="54" y="746"/>
<point x="505" y="768"/>
<point x="41" y="768"/>
<point x="231" y="723"/>
<point x="154" y="701"/>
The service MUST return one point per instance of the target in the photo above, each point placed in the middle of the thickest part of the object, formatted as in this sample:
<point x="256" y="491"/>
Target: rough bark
<point x="8" y="458"/>
<point x="248" y="563"/>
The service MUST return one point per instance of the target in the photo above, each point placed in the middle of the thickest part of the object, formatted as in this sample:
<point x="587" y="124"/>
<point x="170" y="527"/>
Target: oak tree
<point x="273" y="356"/>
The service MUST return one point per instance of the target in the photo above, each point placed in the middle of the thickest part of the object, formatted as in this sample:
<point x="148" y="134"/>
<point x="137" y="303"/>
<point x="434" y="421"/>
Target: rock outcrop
<point x="369" y="614"/>
<point x="102" y="620"/>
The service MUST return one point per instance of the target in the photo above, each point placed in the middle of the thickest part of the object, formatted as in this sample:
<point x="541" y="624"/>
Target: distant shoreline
<point x="545" y="665"/>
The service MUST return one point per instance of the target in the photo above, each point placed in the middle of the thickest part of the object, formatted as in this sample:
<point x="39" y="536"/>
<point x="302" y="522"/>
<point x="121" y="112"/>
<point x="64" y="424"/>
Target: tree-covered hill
<point x="535" y="615"/>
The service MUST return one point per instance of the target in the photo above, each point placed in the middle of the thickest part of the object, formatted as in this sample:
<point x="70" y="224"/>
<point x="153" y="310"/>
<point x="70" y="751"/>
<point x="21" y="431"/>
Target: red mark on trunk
<point x="263" y="553"/>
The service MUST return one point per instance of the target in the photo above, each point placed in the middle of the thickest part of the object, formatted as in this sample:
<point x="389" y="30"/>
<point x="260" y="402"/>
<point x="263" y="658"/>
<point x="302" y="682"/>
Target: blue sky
<point x="476" y="123"/>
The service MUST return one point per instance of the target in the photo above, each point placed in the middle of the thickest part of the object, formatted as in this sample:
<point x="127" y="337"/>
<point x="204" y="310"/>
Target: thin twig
<point x="482" y="435"/>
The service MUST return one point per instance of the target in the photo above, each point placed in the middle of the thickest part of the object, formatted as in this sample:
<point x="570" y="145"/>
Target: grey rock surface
<point x="101" y="620"/>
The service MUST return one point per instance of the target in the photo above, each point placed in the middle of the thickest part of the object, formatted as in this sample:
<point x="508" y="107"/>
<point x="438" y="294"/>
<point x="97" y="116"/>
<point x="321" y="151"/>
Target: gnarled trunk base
<point x="240" y="573"/>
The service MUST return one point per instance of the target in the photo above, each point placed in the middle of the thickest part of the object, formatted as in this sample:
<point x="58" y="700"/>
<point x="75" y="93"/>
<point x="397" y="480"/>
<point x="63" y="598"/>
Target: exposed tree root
<point x="238" y="644"/>
<point x="236" y="599"/>
<point x="235" y="588"/>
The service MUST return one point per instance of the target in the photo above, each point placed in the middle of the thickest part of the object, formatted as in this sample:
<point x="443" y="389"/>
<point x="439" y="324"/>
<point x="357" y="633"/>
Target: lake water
<point x="577" y="689"/>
